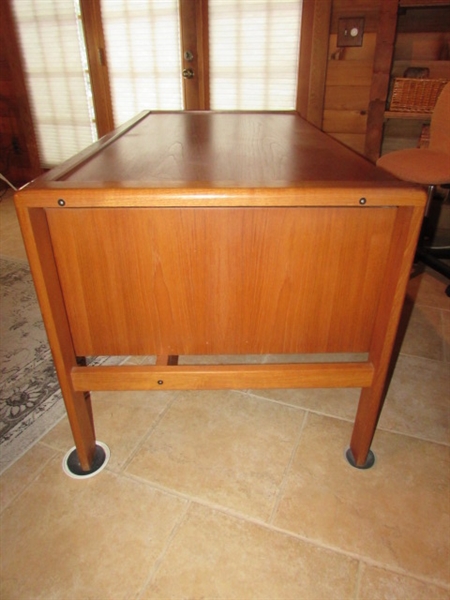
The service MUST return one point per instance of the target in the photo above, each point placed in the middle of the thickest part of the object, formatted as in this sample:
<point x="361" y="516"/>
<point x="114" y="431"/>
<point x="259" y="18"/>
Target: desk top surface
<point x="222" y="149"/>
<point x="218" y="158"/>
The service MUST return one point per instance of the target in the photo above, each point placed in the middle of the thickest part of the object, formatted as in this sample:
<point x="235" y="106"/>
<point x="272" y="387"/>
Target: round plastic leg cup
<point x="71" y="464"/>
<point x="370" y="460"/>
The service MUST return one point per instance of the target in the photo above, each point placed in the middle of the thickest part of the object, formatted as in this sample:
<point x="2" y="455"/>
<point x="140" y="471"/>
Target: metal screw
<point x="362" y="200"/>
<point x="61" y="202"/>
<point x="160" y="381"/>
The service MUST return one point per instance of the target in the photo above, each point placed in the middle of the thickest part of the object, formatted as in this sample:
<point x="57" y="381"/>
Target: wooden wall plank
<point x="364" y="52"/>
<point x="349" y="75"/>
<point x="355" y="8"/>
<point x="347" y="97"/>
<point x="381" y="76"/>
<point x="354" y="72"/>
<point x="344" y="121"/>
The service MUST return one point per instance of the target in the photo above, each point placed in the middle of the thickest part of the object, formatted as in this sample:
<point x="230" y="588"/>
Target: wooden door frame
<point x="384" y="51"/>
<point x="312" y="72"/>
<point x="195" y="39"/>
<point x="94" y="38"/>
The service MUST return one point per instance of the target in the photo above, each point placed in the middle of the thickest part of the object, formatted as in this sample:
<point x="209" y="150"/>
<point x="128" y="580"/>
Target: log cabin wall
<point x="349" y="74"/>
<point x="19" y="159"/>
<point x="397" y="34"/>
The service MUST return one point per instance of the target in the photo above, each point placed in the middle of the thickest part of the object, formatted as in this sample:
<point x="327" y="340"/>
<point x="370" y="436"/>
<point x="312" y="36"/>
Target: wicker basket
<point x="415" y="95"/>
<point x="424" y="140"/>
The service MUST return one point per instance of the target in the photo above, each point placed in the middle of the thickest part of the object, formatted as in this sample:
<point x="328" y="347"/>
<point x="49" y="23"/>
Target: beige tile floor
<point x="244" y="494"/>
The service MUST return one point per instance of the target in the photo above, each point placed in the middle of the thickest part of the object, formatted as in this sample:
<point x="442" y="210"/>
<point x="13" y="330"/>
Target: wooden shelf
<point x="423" y="3"/>
<point x="422" y="40"/>
<point x="439" y="69"/>
<point x="396" y="114"/>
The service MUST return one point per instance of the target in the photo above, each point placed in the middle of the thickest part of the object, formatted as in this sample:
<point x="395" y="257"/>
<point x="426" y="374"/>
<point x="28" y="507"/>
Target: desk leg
<point x="37" y="239"/>
<point x="359" y="454"/>
<point x="404" y="241"/>
<point x="88" y="456"/>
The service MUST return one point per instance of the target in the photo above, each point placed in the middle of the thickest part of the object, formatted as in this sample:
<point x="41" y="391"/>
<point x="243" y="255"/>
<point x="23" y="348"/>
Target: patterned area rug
<point x="30" y="398"/>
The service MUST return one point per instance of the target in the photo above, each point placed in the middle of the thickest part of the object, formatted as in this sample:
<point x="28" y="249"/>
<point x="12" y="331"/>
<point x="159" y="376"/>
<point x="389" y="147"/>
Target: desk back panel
<point x="251" y="280"/>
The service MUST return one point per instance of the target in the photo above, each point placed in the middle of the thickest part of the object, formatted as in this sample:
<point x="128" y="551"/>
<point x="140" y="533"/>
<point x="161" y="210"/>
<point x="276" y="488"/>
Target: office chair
<point x="430" y="167"/>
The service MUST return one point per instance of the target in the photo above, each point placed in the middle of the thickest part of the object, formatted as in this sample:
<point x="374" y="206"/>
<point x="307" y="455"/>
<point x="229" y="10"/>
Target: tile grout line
<point x="269" y="526"/>
<point x="14" y="258"/>
<point x="369" y="562"/>
<point x="158" y="562"/>
<point x="254" y="394"/>
<point x="425" y="358"/>
<point x="145" y="437"/>
<point x="282" y="486"/>
<point x="39" y="440"/>
<point x="229" y="512"/>
<point x="32" y="480"/>
<point x="359" y="576"/>
<point x="352" y="420"/>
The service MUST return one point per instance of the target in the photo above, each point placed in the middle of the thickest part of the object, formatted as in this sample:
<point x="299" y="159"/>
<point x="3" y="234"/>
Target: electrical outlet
<point x="350" y="31"/>
<point x="16" y="145"/>
<point x="3" y="178"/>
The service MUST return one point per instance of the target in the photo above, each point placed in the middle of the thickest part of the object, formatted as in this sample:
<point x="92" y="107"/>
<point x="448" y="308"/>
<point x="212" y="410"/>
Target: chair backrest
<point x="440" y="122"/>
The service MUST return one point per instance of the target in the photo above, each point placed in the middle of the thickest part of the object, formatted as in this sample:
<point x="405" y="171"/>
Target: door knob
<point x="188" y="73"/>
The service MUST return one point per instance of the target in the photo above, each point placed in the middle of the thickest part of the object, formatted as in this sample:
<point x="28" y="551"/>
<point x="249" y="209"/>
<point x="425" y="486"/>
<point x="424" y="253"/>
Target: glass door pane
<point x="254" y="51"/>
<point x="55" y="65"/>
<point x="143" y="55"/>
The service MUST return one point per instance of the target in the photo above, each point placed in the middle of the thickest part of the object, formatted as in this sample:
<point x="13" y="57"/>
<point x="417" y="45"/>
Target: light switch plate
<point x="350" y="31"/>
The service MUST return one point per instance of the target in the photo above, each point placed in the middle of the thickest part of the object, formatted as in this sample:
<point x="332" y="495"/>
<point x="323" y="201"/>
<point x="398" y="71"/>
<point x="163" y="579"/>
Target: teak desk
<point x="206" y="233"/>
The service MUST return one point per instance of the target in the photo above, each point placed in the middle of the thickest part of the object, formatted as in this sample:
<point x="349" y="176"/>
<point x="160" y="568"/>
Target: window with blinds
<point x="144" y="55"/>
<point x="253" y="57"/>
<point x="56" y="75"/>
<point x="254" y="50"/>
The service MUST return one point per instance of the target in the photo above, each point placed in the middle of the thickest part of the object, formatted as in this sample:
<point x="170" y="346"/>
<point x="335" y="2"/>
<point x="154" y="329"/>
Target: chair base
<point x="426" y="254"/>
<point x="433" y="259"/>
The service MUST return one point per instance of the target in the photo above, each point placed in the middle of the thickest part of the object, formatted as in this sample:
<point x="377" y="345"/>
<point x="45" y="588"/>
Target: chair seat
<point x="418" y="165"/>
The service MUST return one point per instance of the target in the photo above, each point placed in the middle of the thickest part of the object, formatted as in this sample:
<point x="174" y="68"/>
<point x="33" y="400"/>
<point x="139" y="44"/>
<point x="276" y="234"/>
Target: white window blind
<point x="56" y="76"/>
<point x="254" y="49"/>
<point x="144" y="56"/>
